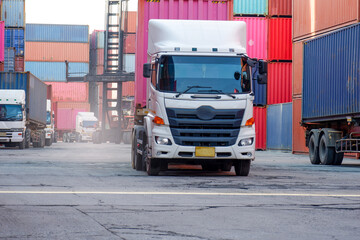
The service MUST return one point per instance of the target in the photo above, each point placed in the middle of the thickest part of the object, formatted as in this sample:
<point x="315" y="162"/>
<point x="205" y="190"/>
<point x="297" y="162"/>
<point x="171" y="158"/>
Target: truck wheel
<point x="48" y="142"/>
<point x="326" y="153"/>
<point x="242" y="167"/>
<point x="22" y="144"/>
<point x="133" y="150"/>
<point x="338" y="158"/>
<point x="127" y="137"/>
<point x="64" y="138"/>
<point x="42" y="140"/>
<point x="313" y="151"/>
<point x="152" y="164"/>
<point x="27" y="139"/>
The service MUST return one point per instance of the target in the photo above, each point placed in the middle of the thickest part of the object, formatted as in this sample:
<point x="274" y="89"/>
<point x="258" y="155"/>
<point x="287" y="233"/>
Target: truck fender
<point x="147" y="126"/>
<point x="316" y="133"/>
<point x="332" y="136"/>
<point x="138" y="132"/>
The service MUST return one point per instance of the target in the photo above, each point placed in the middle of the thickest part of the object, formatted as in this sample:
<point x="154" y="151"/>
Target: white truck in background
<point x="199" y="99"/>
<point x="50" y="125"/>
<point x="86" y="125"/>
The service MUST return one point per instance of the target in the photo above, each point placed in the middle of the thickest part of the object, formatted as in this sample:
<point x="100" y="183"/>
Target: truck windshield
<point x="216" y="74"/>
<point x="10" y="112"/>
<point x="48" y="118"/>
<point x="89" y="124"/>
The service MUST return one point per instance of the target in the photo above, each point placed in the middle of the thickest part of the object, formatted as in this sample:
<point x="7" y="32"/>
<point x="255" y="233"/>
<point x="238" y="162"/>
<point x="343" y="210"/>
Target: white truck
<point x="50" y="128"/>
<point x="22" y="110"/>
<point x="199" y="102"/>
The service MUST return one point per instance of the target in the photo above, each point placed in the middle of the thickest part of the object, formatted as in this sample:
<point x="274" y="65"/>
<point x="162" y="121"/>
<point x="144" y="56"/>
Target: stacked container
<point x="13" y="17"/>
<point x="269" y="26"/>
<point x="2" y="45"/>
<point x="331" y="15"/>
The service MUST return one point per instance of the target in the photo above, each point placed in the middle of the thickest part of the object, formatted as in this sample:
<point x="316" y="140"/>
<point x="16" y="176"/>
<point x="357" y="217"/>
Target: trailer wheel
<point x="242" y="167"/>
<point x="313" y="151"/>
<point x="326" y="153"/>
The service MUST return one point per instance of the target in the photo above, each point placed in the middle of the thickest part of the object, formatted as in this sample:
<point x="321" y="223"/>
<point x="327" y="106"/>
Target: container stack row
<point x="48" y="46"/>
<point x="321" y="28"/>
<point x="269" y="24"/>
<point x="12" y="32"/>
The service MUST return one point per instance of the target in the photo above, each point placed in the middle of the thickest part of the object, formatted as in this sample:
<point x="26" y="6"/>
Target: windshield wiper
<point x="219" y="91"/>
<point x="188" y="89"/>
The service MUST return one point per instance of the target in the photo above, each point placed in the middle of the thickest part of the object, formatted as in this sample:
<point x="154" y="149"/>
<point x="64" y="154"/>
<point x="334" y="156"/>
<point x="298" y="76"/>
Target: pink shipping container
<point x="56" y="52"/>
<point x="128" y="89"/>
<point x="280" y="7"/>
<point x="316" y="17"/>
<point x="170" y="9"/>
<point x="65" y="115"/>
<point x="279" y="87"/>
<point x="256" y="33"/>
<point x="2" y="40"/>
<point x="279" y="41"/>
<point x="69" y="92"/>
<point x="260" y="127"/>
<point x="99" y="69"/>
<point x="100" y="56"/>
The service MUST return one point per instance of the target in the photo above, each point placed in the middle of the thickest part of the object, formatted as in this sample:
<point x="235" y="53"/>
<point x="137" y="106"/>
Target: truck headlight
<point x="246" y="141"/>
<point x="162" y="141"/>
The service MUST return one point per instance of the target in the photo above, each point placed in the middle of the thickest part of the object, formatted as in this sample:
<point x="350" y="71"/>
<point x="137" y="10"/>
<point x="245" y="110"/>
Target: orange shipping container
<point x="298" y="135"/>
<point x="131" y="22"/>
<point x="297" y="66"/>
<point x="69" y="92"/>
<point x="313" y="17"/>
<point x="130" y="43"/>
<point x="57" y="52"/>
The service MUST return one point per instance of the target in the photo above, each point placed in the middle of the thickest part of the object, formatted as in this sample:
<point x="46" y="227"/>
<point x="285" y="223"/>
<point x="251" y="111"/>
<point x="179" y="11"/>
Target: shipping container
<point x="279" y="40"/>
<point x="1" y="66"/>
<point x="100" y="57"/>
<point x="57" y="52"/>
<point x="65" y="115"/>
<point x="257" y="35"/>
<point x="174" y="9"/>
<point x="279" y="127"/>
<point x="14" y="37"/>
<point x="13" y="13"/>
<point x="129" y="62"/>
<point x="56" y="71"/>
<point x="97" y="39"/>
<point x="311" y="17"/>
<point x="129" y="43"/>
<point x="298" y="51"/>
<point x="280" y="7"/>
<point x="298" y="132"/>
<point x="57" y="33"/>
<point x="99" y="70"/>
<point x="35" y="91"/>
<point x="69" y="92"/>
<point x="2" y="40"/>
<point x="128" y="89"/>
<point x="260" y="128"/>
<point x="9" y="60"/>
<point x="251" y="7"/>
<point x="331" y="74"/>
<point x="131" y="22"/>
<point x="279" y="85"/>
<point x="19" y="64"/>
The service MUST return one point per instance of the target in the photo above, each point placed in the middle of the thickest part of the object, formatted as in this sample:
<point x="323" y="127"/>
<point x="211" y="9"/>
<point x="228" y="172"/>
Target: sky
<point x="81" y="12"/>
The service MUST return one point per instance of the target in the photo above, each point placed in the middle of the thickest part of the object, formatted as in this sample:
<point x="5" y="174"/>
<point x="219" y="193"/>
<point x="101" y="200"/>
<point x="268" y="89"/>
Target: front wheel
<point x="242" y="167"/>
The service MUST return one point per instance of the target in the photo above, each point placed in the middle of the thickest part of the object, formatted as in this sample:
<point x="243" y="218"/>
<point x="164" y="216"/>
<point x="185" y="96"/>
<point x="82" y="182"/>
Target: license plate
<point x="2" y="134"/>
<point x="204" y="151"/>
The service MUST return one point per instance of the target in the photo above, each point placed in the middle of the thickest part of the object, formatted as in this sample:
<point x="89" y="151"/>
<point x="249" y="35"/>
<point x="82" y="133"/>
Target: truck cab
<point x="86" y="125"/>
<point x="12" y="118"/>
<point x="49" y="130"/>
<point x="199" y="104"/>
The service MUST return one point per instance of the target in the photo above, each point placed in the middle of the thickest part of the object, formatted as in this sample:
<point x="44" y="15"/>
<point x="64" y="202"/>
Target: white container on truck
<point x="22" y="110"/>
<point x="199" y="104"/>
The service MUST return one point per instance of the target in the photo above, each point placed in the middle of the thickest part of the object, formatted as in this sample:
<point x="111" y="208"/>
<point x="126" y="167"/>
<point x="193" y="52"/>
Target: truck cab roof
<point x="12" y="96"/>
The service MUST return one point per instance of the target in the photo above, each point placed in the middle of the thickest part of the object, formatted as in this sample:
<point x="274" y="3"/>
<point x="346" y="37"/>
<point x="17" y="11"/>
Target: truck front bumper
<point x="6" y="137"/>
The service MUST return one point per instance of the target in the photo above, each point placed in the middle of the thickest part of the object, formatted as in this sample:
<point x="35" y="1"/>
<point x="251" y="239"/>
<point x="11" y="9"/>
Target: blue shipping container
<point x="35" y="90"/>
<point x="260" y="91"/>
<point x="14" y="37"/>
<point x="251" y="7"/>
<point x="13" y="12"/>
<point x="331" y="75"/>
<point x="9" y="60"/>
<point x="57" y="33"/>
<point x="279" y="126"/>
<point x="56" y="71"/>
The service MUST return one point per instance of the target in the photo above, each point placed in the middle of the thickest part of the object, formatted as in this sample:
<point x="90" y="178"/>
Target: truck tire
<point x="326" y="153"/>
<point x="48" y="142"/>
<point x="242" y="167"/>
<point x="27" y="139"/>
<point x="313" y="151"/>
<point x="22" y="143"/>
<point x="153" y="166"/>
<point x="126" y="137"/>
<point x="64" y="138"/>
<point x="133" y="150"/>
<point x="42" y="140"/>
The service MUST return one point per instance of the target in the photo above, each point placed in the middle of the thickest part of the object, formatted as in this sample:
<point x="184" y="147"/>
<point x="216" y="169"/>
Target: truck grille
<point x="205" y="126"/>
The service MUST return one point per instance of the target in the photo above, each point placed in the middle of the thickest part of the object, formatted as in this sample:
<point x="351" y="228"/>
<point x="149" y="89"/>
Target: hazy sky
<point x="84" y="12"/>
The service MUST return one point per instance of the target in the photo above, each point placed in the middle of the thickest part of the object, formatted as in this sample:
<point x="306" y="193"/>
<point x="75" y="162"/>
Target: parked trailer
<point x="22" y="110"/>
<point x="331" y="95"/>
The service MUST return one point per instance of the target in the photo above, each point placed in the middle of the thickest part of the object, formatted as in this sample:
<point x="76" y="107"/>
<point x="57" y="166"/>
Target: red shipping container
<point x="170" y="9"/>
<point x="279" y="86"/>
<point x="298" y="49"/>
<point x="1" y="66"/>
<point x="66" y="114"/>
<point x="280" y="7"/>
<point x="129" y="43"/>
<point x="19" y="64"/>
<point x="298" y="134"/>
<point x="256" y="33"/>
<point x="279" y="41"/>
<point x="128" y="89"/>
<point x="69" y="92"/>
<point x="260" y="127"/>
<point x="311" y="18"/>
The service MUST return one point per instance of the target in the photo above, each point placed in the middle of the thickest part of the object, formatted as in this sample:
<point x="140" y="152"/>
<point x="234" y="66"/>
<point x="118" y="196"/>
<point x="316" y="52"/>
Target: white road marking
<point x="186" y="193"/>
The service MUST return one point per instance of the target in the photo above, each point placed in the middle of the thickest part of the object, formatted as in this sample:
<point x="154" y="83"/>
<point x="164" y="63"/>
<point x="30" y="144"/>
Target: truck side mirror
<point x="262" y="72"/>
<point x="263" y="67"/>
<point x="147" y="70"/>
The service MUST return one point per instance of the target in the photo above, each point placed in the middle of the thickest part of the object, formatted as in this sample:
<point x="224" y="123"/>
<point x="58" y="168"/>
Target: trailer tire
<point x="327" y="154"/>
<point x="313" y="151"/>
<point x="242" y="167"/>
<point x="42" y="140"/>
